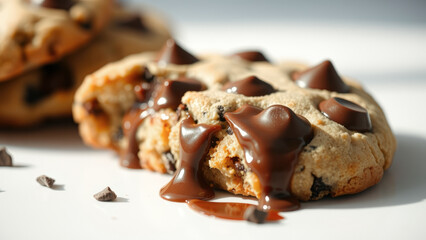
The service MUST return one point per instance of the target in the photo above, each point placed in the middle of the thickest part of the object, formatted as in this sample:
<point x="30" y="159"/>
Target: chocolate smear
<point x="45" y="181"/>
<point x="172" y="53"/>
<point x="323" y="76"/>
<point x="5" y="158"/>
<point x="250" y="86"/>
<point x="347" y="113"/>
<point x="187" y="182"/>
<point x="251" y="56"/>
<point x="272" y="140"/>
<point x="105" y="195"/>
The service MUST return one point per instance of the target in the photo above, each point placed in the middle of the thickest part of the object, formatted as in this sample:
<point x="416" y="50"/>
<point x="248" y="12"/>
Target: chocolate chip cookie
<point x="34" y="33"/>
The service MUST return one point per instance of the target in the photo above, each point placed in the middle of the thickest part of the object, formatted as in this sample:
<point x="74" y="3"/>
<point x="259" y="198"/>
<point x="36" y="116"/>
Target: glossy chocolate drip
<point x="322" y="76"/>
<point x="250" y="86"/>
<point x="347" y="113"/>
<point x="57" y="4"/>
<point x="171" y="92"/>
<point x="187" y="183"/>
<point x="172" y="53"/>
<point x="134" y="22"/>
<point x="272" y="140"/>
<point x="227" y="210"/>
<point x="251" y="56"/>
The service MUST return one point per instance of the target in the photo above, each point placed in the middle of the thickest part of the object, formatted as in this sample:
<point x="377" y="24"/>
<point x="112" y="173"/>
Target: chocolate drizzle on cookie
<point x="250" y="86"/>
<point x="251" y="56"/>
<point x="323" y="76"/>
<point x="56" y="4"/>
<point x="272" y="140"/>
<point x="152" y="95"/>
<point x="172" y="53"/>
<point x="347" y="113"/>
<point x="187" y="183"/>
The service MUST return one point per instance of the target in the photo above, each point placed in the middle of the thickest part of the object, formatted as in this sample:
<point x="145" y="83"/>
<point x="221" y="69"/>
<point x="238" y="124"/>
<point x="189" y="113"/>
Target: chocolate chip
<point x="45" y="181"/>
<point x="252" y="56"/>
<point x="221" y="112"/>
<point x="147" y="76"/>
<point x="309" y="148"/>
<point x="172" y="53"/>
<point x="134" y="22"/>
<point x="250" y="86"/>
<point x="214" y="142"/>
<point x="319" y="188"/>
<point x="5" y="158"/>
<point x="238" y="164"/>
<point x="93" y="107"/>
<point x="57" y="4"/>
<point x="254" y="215"/>
<point x="229" y="131"/>
<point x="169" y="162"/>
<point x="347" y="113"/>
<point x="322" y="76"/>
<point x="105" y="195"/>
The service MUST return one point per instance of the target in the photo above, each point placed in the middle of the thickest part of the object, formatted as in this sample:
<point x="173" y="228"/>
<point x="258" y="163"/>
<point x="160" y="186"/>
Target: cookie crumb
<point x="254" y="215"/>
<point x="5" y="158"/>
<point x="105" y="195"/>
<point x="45" y="181"/>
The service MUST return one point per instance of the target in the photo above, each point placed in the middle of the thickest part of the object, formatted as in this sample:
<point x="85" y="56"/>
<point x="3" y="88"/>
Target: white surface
<point x="389" y="59"/>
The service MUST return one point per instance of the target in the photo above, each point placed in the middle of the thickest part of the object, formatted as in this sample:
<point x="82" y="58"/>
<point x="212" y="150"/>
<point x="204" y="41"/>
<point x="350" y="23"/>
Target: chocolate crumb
<point x="5" y="158"/>
<point x="45" y="181"/>
<point x="254" y="215"/>
<point x="169" y="162"/>
<point x="105" y="195"/>
<point x="319" y="188"/>
<point x="221" y="112"/>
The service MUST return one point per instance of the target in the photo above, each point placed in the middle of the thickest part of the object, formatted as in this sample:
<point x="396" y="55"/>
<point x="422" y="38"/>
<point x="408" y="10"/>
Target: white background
<point x="381" y="43"/>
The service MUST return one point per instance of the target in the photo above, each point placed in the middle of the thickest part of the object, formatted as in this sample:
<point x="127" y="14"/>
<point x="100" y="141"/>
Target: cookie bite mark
<point x="272" y="140"/>
<point x="323" y="76"/>
<point x="251" y="56"/>
<point x="250" y="86"/>
<point x="347" y="113"/>
<point x="187" y="183"/>
<point x="172" y="53"/>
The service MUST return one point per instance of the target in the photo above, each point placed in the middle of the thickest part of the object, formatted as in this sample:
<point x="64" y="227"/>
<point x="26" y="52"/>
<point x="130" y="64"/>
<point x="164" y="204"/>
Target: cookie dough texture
<point x="336" y="162"/>
<point x="31" y="35"/>
<point x="111" y="45"/>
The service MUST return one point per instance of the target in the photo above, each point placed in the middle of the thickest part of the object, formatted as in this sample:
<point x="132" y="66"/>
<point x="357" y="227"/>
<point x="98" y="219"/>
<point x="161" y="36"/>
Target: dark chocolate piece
<point x="169" y="162"/>
<point x="251" y="56"/>
<point x="170" y="93"/>
<point x="346" y="113"/>
<point x="254" y="215"/>
<point x="250" y="86"/>
<point x="221" y="113"/>
<point x="187" y="183"/>
<point x="5" y="158"/>
<point x="57" y="4"/>
<point x="134" y="22"/>
<point x="272" y="140"/>
<point x="45" y="181"/>
<point x="105" y="195"/>
<point x="172" y="53"/>
<point x="319" y="187"/>
<point x="322" y="76"/>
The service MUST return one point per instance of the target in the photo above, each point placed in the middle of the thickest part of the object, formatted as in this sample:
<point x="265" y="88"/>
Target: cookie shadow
<point x="403" y="183"/>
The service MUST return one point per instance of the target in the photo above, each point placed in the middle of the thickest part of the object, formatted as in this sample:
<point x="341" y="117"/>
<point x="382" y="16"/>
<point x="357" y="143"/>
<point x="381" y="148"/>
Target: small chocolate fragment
<point x="169" y="162"/>
<point x="134" y="22"/>
<point x="187" y="183"/>
<point x="105" y="195"/>
<point x="250" y="86"/>
<point x="172" y="53"/>
<point x="251" y="56"/>
<point x="57" y="4"/>
<point x="322" y="76"/>
<point x="254" y="215"/>
<point x="5" y="158"/>
<point x="45" y="181"/>
<point x="347" y="113"/>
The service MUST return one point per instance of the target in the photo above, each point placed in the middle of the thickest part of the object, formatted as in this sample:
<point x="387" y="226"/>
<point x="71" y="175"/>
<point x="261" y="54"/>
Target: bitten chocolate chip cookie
<point x="38" y="32"/>
<point x="280" y="133"/>
<point x="48" y="91"/>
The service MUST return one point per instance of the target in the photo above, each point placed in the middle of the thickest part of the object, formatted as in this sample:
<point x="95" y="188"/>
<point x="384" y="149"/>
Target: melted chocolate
<point x="172" y="53"/>
<point x="347" y="113"/>
<point x="251" y="56"/>
<point x="57" y="4"/>
<point x="227" y="210"/>
<point x="272" y="140"/>
<point x="250" y="86"/>
<point x="134" y="22"/>
<point x="187" y="183"/>
<point x="322" y="76"/>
